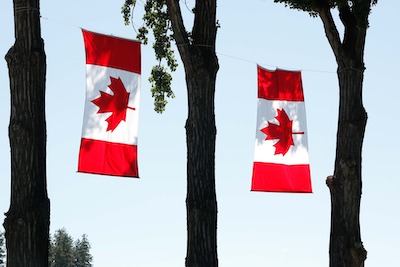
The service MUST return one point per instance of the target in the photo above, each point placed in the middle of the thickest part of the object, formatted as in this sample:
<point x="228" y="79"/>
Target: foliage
<point x="61" y="252"/>
<point x="127" y="10"/>
<point x="156" y="18"/>
<point x="2" y="250"/>
<point x="82" y="257"/>
<point x="312" y="6"/>
<point x="64" y="252"/>
<point x="305" y="5"/>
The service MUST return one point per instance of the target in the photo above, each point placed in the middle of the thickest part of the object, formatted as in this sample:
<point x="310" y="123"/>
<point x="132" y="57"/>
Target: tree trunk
<point x="201" y="66"/>
<point x="346" y="248"/>
<point x="28" y="218"/>
<point x="201" y="200"/>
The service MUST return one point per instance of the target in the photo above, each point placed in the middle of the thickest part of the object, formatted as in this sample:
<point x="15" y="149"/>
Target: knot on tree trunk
<point x="359" y="254"/>
<point x="330" y="180"/>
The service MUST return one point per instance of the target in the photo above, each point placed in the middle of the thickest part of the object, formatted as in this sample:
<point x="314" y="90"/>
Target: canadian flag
<point x="281" y="162"/>
<point x="110" y="121"/>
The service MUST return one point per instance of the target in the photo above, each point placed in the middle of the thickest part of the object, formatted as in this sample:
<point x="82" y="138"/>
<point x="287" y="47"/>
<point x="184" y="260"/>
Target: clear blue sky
<point x="142" y="222"/>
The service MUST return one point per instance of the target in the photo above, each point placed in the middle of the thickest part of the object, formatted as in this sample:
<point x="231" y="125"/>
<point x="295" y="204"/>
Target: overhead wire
<point x="217" y="52"/>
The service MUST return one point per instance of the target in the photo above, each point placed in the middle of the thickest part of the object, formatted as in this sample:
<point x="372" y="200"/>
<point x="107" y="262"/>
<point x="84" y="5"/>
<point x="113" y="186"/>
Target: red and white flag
<point x="110" y="122"/>
<point x="281" y="162"/>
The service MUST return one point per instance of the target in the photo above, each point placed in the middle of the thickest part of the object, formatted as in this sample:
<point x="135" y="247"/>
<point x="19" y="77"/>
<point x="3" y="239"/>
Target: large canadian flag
<point x="110" y="122"/>
<point x="281" y="162"/>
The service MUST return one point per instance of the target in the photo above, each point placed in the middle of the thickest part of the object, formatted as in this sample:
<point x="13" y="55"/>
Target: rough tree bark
<point x="201" y="66"/>
<point x="28" y="218"/>
<point x="346" y="248"/>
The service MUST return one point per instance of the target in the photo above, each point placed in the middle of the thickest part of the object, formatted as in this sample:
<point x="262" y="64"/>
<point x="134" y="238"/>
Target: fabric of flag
<point x="110" y="122"/>
<point x="281" y="162"/>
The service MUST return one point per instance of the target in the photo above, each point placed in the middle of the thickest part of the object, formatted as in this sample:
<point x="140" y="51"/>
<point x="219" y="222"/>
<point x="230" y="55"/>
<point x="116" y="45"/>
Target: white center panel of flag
<point x="265" y="149"/>
<point x="99" y="79"/>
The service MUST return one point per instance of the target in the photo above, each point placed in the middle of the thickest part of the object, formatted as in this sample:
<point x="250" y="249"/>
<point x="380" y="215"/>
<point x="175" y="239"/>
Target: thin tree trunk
<point x="27" y="220"/>
<point x="201" y="200"/>
<point x="201" y="66"/>
<point x="346" y="248"/>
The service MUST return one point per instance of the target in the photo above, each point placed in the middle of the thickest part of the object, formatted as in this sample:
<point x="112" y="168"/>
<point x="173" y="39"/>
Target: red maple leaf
<point x="283" y="132"/>
<point x="116" y="103"/>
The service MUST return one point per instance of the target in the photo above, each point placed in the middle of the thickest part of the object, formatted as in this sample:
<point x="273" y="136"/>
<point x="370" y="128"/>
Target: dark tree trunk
<point x="346" y="248"/>
<point x="201" y="200"/>
<point x="27" y="221"/>
<point x="201" y="66"/>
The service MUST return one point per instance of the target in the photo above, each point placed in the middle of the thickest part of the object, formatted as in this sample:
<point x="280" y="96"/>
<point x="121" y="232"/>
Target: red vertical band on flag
<point x="113" y="52"/>
<point x="270" y="177"/>
<point x="121" y="159"/>
<point x="279" y="85"/>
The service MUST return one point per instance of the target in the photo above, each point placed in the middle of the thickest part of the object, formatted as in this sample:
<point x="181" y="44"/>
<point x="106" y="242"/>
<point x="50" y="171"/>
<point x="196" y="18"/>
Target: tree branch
<point x="331" y="31"/>
<point x="180" y="34"/>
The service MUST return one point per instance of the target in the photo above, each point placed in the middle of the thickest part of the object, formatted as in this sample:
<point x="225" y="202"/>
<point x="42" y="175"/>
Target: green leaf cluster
<point x="64" y="252"/>
<point x="160" y="79"/>
<point x="82" y="256"/>
<point x="311" y="6"/>
<point x="304" y="5"/>
<point x="127" y="9"/>
<point x="157" y="19"/>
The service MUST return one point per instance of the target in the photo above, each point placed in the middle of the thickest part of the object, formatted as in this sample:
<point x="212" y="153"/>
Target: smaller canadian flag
<point x="110" y="122"/>
<point x="281" y="162"/>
